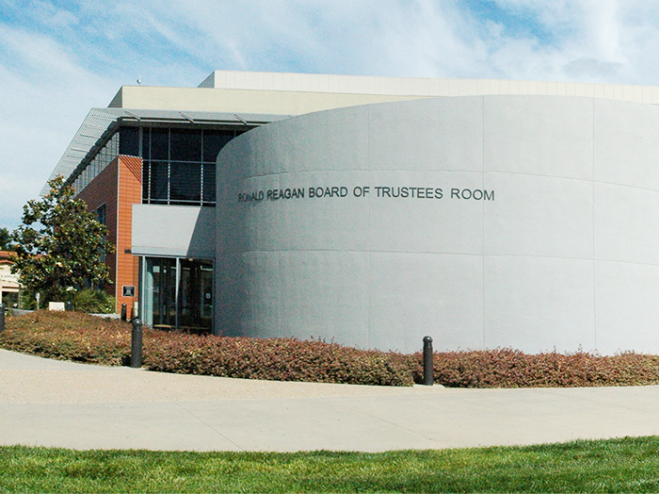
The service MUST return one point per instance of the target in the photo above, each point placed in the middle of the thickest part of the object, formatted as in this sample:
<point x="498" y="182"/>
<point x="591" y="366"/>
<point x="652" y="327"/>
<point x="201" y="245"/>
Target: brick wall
<point x="103" y="190"/>
<point x="130" y="192"/>
<point x="119" y="186"/>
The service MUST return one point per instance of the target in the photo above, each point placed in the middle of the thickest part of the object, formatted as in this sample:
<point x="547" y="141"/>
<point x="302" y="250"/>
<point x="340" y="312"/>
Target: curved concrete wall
<point x="529" y="222"/>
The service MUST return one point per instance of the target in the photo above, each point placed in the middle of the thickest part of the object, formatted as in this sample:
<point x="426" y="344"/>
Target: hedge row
<point x="506" y="368"/>
<point x="83" y="338"/>
<point x="280" y="359"/>
<point x="68" y="336"/>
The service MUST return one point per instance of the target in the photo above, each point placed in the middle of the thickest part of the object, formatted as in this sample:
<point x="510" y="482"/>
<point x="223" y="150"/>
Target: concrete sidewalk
<point x="51" y="403"/>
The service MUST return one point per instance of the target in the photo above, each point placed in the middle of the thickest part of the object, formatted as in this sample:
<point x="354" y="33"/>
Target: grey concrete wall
<point x="560" y="252"/>
<point x="179" y="231"/>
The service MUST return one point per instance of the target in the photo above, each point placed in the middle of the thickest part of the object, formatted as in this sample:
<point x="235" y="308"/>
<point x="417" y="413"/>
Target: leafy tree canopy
<point x="5" y="239"/>
<point x="60" y="245"/>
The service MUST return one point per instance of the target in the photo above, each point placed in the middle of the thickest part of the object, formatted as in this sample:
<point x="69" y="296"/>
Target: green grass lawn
<point x="621" y="465"/>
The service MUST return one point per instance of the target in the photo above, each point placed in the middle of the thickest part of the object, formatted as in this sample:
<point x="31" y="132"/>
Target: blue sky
<point x="58" y="59"/>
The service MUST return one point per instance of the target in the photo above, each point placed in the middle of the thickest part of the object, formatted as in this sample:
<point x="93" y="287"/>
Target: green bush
<point x="94" y="302"/>
<point x="85" y="300"/>
<point x="28" y="299"/>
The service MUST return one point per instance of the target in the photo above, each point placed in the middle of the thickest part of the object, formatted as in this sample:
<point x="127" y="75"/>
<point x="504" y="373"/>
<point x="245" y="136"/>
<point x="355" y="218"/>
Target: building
<point x="9" y="285"/>
<point x="372" y="211"/>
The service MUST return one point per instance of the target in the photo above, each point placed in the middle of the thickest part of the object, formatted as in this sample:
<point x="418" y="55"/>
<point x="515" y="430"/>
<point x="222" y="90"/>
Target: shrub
<point x="86" y="300"/>
<point x="281" y="359"/>
<point x="28" y="298"/>
<point x="94" y="302"/>
<point x="68" y="336"/>
<point x="83" y="338"/>
<point x="507" y="368"/>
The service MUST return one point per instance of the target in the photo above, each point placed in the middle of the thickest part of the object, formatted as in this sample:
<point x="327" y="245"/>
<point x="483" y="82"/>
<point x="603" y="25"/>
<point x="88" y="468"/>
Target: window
<point x="185" y="145"/>
<point x="185" y="183"/>
<point x="101" y="217"/>
<point x="158" y="184"/>
<point x="129" y="141"/>
<point x="179" y="164"/>
<point x="209" y="182"/>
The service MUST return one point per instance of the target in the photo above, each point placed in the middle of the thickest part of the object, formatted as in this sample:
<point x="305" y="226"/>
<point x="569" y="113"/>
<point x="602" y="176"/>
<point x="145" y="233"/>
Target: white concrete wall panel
<point x="417" y="294"/>
<point x="338" y="223"/>
<point x="529" y="222"/>
<point x="539" y="136"/>
<point x="441" y="143"/>
<point x="324" y="294"/>
<point x="399" y="224"/>
<point x="538" y="303"/>
<point x="627" y="312"/>
<point x="534" y="215"/>
<point x="626" y="224"/>
<point x="626" y="144"/>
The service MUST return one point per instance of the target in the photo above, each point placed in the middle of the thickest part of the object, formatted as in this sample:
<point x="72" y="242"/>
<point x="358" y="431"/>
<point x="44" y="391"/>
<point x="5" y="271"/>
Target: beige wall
<point x="240" y="101"/>
<point x="8" y="281"/>
<point x="296" y="94"/>
<point x="409" y="86"/>
<point x="6" y="276"/>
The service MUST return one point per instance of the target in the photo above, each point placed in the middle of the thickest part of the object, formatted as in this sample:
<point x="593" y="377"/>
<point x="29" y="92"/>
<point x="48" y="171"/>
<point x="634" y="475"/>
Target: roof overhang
<point x="100" y="124"/>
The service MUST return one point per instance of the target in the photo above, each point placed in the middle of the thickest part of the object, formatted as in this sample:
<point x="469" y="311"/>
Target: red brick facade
<point x="119" y="186"/>
<point x="130" y="192"/>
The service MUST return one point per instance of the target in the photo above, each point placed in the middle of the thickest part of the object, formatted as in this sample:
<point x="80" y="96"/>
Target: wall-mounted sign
<point x="128" y="291"/>
<point x="429" y="192"/>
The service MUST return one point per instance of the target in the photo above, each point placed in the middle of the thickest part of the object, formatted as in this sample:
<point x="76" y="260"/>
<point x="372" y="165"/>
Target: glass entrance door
<point x="178" y="293"/>
<point x="195" y="301"/>
<point x="160" y="293"/>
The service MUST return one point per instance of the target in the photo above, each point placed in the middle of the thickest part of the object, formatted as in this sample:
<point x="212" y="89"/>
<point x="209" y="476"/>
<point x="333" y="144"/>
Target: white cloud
<point x="46" y="94"/>
<point x="46" y="13"/>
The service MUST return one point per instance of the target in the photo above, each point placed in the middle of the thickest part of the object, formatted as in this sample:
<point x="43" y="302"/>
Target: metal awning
<point x="100" y="123"/>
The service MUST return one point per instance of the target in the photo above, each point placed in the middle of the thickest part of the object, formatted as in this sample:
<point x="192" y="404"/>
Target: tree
<point x="60" y="245"/>
<point x="5" y="239"/>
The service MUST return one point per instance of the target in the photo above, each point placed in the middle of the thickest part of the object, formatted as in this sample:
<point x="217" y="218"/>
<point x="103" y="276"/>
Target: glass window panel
<point x="195" y="303"/>
<point x="185" y="145"/>
<point x="101" y="214"/>
<point x="160" y="293"/>
<point x="185" y="182"/>
<point x="214" y="141"/>
<point x="159" y="144"/>
<point x="129" y="141"/>
<point x="158" y="185"/>
<point x="209" y="182"/>
<point x="146" y="143"/>
<point x="146" y="175"/>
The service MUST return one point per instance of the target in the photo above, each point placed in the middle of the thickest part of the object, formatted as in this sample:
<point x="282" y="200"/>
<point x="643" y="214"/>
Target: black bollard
<point x="428" y="372"/>
<point x="123" y="312"/>
<point x="136" y="345"/>
<point x="2" y="317"/>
